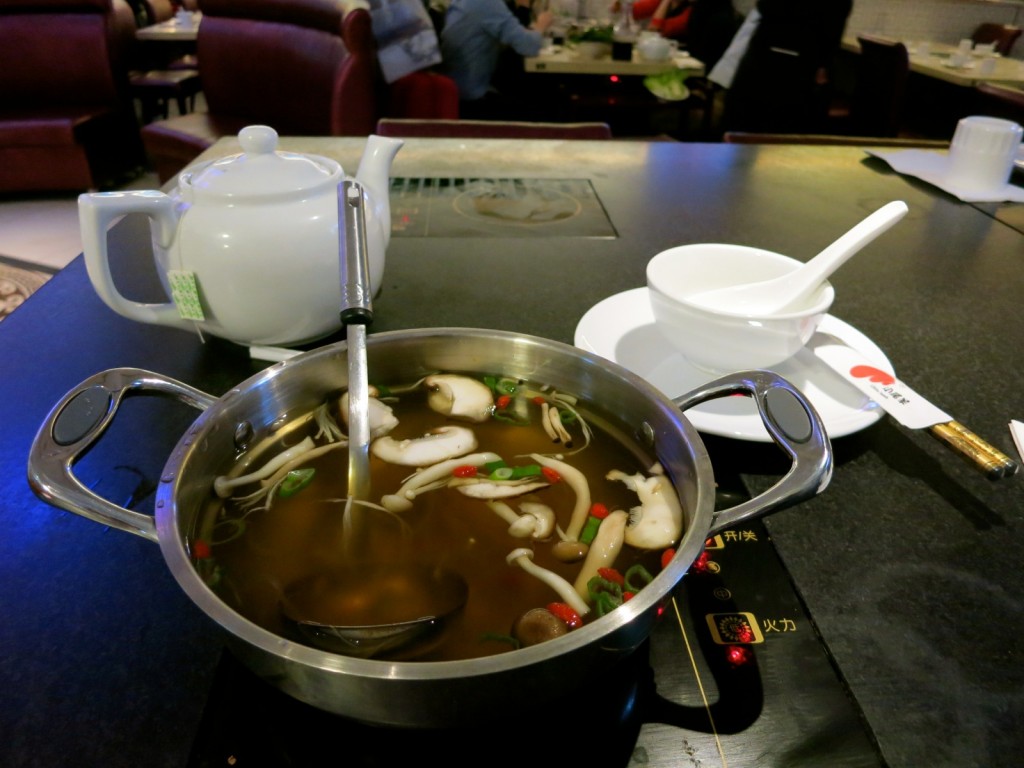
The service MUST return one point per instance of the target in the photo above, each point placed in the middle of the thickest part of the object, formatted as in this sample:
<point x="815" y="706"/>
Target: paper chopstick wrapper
<point x="910" y="409"/>
<point x="1017" y="433"/>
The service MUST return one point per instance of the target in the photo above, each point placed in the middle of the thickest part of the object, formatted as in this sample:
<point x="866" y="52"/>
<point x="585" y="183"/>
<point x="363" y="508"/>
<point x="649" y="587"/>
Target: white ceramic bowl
<point x="590" y="49"/>
<point x="720" y="340"/>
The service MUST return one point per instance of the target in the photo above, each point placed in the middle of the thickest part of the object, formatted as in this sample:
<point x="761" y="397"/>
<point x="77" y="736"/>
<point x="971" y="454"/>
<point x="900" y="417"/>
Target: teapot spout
<point x="374" y="172"/>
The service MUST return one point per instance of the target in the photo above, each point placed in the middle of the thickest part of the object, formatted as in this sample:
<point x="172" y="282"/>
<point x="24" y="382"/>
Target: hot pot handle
<point x="76" y="423"/>
<point x="795" y="427"/>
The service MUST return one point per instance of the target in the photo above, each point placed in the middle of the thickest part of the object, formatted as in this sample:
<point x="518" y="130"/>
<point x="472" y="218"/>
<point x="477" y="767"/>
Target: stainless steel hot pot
<point x="424" y="694"/>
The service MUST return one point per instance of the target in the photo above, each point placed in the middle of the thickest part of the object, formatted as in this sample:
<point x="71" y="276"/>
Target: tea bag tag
<point x="185" y="294"/>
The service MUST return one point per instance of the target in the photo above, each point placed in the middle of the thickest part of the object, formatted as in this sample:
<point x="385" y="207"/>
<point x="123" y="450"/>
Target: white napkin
<point x="931" y="167"/>
<point x="1017" y="433"/>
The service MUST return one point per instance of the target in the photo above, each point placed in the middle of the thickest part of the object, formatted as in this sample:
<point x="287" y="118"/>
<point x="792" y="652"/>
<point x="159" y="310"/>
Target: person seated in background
<point x="475" y="34"/>
<point x="669" y="17"/>
<point x="704" y="27"/>
<point x="713" y="24"/>
<point x="781" y="83"/>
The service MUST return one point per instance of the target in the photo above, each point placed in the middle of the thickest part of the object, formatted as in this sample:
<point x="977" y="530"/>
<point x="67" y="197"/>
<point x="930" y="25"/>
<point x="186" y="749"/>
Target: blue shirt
<point x="473" y="35"/>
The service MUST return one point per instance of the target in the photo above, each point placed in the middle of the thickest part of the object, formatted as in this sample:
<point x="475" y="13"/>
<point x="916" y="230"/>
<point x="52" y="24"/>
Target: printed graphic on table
<point x="505" y="207"/>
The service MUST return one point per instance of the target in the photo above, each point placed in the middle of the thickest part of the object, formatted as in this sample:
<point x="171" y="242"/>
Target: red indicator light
<point x="700" y="565"/>
<point x="614" y="78"/>
<point x="737" y="655"/>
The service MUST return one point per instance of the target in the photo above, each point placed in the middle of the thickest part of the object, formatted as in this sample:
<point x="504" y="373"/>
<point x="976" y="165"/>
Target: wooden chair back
<point x="1003" y="35"/>
<point x="883" y="68"/>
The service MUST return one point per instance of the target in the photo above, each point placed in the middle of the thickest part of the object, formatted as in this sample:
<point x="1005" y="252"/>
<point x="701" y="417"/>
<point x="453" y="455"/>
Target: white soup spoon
<point x="773" y="296"/>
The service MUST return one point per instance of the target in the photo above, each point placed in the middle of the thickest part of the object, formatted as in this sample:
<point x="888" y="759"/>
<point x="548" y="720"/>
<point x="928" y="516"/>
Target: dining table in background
<point x="933" y="59"/>
<point x="172" y="30"/>
<point x="565" y="86"/>
<point x="565" y="60"/>
<point x="908" y="564"/>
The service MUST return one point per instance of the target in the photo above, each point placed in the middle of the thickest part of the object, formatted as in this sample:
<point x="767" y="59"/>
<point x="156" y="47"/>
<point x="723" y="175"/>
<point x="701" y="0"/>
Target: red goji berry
<point x="566" y="613"/>
<point x="539" y="400"/>
<point x="667" y="556"/>
<point x="503" y="401"/>
<point x="599" y="510"/>
<point x="551" y="475"/>
<point x="464" y="470"/>
<point x="610" y="574"/>
<point x="627" y="596"/>
<point x="200" y="549"/>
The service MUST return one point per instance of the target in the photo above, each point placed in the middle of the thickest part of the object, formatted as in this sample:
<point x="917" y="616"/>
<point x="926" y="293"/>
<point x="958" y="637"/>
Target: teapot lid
<point x="262" y="169"/>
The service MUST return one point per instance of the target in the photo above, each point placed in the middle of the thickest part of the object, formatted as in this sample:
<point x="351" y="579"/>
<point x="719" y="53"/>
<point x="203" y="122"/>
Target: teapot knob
<point x="258" y="139"/>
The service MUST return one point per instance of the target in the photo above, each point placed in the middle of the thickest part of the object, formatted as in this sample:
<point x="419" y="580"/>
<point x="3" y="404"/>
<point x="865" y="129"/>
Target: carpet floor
<point x="18" y="281"/>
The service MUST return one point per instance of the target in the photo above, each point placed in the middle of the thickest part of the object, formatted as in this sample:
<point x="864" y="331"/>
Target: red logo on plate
<point x="872" y="374"/>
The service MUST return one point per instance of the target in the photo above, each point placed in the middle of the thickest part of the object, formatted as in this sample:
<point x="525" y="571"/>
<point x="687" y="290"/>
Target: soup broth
<point x="251" y="555"/>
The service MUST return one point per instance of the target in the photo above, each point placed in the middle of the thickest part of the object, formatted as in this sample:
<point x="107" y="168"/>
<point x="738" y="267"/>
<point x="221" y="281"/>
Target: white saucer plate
<point x="621" y="328"/>
<point x="933" y="167"/>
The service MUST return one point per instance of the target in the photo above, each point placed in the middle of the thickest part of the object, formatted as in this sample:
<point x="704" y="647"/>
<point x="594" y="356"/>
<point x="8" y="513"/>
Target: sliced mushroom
<point x="437" y="445"/>
<point x="523" y="557"/>
<point x="459" y="397"/>
<point x="578" y="482"/>
<point x="429" y="478"/>
<point x="224" y="485"/>
<point x="538" y="625"/>
<point x="537" y="520"/>
<point x="658" y="521"/>
<point x="482" y="488"/>
<point x="381" y="418"/>
<point x="603" y="549"/>
<point x="543" y="515"/>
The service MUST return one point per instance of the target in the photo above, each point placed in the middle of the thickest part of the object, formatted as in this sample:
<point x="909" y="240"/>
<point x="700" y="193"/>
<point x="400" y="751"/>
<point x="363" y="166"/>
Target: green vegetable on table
<point x="601" y="34"/>
<point x="669" y="85"/>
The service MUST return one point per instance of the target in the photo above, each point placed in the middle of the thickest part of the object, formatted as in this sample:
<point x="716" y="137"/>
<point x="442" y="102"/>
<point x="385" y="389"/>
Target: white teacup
<point x="183" y="18"/>
<point x="982" y="153"/>
<point x="959" y="59"/>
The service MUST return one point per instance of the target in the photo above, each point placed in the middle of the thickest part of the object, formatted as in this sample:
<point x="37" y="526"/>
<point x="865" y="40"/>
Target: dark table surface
<point x="909" y="562"/>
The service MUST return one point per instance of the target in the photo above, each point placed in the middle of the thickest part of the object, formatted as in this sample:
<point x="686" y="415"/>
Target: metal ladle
<point x="356" y="314"/>
<point x="366" y="608"/>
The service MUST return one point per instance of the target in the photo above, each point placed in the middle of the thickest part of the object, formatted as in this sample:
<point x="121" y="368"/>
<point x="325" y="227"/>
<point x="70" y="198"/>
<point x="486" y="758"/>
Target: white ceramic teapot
<point x="247" y="245"/>
<point x="654" y="47"/>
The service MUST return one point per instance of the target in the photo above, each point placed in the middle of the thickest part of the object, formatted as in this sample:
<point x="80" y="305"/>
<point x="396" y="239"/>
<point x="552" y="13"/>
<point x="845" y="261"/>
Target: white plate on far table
<point x="621" y="328"/>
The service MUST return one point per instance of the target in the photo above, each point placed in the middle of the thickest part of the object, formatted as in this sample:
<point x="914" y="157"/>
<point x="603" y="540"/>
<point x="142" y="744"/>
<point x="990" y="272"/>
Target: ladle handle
<point x="795" y="427"/>
<point x="356" y="314"/>
<point x="75" y="424"/>
<point x="356" y="296"/>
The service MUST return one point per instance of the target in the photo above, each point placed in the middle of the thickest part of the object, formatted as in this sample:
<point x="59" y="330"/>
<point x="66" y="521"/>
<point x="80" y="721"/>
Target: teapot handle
<point x="96" y="212"/>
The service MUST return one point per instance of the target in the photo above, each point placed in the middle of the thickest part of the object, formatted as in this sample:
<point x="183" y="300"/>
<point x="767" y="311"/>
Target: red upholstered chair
<point x="303" y="67"/>
<point x="490" y="129"/>
<point x="425" y="94"/>
<point x="66" y="119"/>
<point x="1003" y="35"/>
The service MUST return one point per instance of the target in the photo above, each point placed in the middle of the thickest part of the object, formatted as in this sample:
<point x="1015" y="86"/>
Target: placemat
<point x="18" y="281"/>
